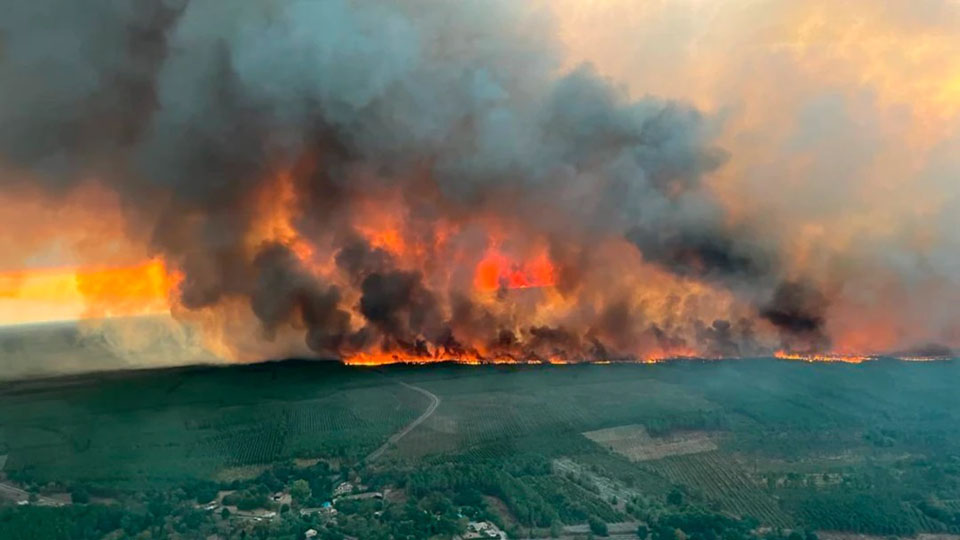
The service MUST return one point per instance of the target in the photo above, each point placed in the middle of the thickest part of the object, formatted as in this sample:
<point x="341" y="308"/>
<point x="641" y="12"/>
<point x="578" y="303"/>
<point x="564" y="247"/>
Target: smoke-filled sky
<point x="488" y="180"/>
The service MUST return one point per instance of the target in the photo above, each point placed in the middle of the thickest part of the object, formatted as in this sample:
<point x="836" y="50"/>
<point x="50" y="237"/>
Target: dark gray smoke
<point x="798" y="311"/>
<point x="284" y="291"/>
<point x="184" y="107"/>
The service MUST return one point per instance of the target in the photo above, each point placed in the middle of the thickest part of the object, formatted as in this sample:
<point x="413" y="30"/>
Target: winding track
<point x="11" y="491"/>
<point x="434" y="403"/>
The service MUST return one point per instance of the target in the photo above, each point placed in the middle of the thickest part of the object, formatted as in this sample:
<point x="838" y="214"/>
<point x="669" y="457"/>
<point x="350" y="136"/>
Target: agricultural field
<point x="634" y="443"/>
<point x="718" y="478"/>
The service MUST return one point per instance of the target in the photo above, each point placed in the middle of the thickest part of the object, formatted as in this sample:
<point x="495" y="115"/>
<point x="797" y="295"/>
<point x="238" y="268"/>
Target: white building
<point x="483" y="530"/>
<point x="345" y="488"/>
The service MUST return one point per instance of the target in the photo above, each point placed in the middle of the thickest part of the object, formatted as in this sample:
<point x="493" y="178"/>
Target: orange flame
<point x="822" y="357"/>
<point x="440" y="249"/>
<point x="380" y="358"/>
<point x="276" y="207"/>
<point x="497" y="271"/>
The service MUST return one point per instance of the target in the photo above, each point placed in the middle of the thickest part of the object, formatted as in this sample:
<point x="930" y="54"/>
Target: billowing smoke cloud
<point x="838" y="121"/>
<point x="357" y="171"/>
<point x="283" y="291"/>
<point x="798" y="310"/>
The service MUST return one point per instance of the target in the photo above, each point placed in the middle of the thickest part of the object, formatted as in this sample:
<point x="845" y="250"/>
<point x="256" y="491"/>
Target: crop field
<point x="719" y="478"/>
<point x="634" y="443"/>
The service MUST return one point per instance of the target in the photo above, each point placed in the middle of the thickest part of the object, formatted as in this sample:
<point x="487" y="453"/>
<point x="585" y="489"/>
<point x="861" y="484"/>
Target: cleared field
<point x="721" y="479"/>
<point x="634" y="443"/>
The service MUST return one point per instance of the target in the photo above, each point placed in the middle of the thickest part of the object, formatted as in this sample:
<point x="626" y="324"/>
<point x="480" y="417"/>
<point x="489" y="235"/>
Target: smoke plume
<point x="410" y="180"/>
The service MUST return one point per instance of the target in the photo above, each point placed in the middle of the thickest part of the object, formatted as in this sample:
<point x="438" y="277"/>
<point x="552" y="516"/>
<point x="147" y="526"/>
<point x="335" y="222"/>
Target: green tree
<point x="598" y="526"/>
<point x="205" y="494"/>
<point x="79" y="495"/>
<point x="642" y="532"/>
<point x="300" y="491"/>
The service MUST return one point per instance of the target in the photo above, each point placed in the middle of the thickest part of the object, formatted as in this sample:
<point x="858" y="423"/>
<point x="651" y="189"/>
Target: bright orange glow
<point x="497" y="271"/>
<point x="381" y="358"/>
<point x="822" y="357"/>
<point x="435" y="249"/>
<point x="276" y="210"/>
<point x="31" y="296"/>
<point x="134" y="290"/>
<point x="388" y="240"/>
<point x="484" y="355"/>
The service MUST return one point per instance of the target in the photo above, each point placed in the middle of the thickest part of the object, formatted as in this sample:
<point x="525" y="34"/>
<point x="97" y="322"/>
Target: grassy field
<point x="872" y="447"/>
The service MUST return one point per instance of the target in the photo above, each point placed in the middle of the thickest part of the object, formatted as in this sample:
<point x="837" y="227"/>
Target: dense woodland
<point x="797" y="448"/>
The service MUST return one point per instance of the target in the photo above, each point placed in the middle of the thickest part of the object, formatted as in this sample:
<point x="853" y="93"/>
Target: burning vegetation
<point x="350" y="180"/>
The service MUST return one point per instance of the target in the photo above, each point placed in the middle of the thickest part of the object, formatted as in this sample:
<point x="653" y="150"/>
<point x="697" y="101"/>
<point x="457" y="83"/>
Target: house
<point x="310" y="533"/>
<point x="483" y="529"/>
<point x="281" y="498"/>
<point x="345" y="488"/>
<point x="327" y="511"/>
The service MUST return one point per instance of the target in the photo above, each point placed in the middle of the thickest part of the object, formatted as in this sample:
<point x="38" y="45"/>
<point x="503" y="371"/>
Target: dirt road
<point x="434" y="403"/>
<point x="12" y="492"/>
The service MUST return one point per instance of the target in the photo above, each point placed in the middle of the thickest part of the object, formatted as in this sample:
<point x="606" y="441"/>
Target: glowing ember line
<point x="822" y="357"/>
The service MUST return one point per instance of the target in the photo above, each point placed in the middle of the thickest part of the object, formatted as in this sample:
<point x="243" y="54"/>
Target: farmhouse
<point x="345" y="488"/>
<point x="482" y="529"/>
<point x="327" y="511"/>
